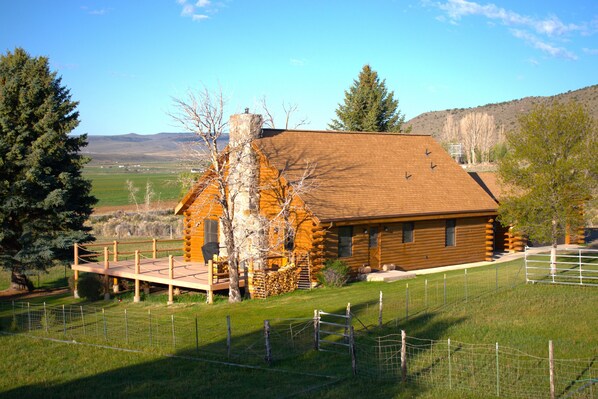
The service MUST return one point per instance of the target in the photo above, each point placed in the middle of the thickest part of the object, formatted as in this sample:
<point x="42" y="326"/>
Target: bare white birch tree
<point x="288" y="109"/>
<point x="450" y="130"/>
<point x="203" y="114"/>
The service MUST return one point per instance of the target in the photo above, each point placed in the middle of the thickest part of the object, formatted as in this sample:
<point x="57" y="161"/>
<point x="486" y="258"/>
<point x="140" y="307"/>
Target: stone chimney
<point x="243" y="181"/>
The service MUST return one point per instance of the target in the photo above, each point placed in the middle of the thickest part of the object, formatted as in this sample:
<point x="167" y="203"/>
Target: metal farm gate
<point x="570" y="266"/>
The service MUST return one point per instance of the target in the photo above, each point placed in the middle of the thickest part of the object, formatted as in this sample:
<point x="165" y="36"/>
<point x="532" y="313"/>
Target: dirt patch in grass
<point x="16" y="294"/>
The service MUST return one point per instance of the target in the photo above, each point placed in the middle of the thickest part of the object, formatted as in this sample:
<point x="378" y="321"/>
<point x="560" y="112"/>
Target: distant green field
<point x="109" y="183"/>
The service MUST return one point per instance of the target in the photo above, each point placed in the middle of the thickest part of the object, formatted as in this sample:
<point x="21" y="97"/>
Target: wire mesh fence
<point x="159" y="331"/>
<point x="489" y="369"/>
<point x="486" y="369"/>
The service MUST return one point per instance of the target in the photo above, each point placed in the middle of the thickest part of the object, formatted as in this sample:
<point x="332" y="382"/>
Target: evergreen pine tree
<point x="369" y="106"/>
<point x="44" y="200"/>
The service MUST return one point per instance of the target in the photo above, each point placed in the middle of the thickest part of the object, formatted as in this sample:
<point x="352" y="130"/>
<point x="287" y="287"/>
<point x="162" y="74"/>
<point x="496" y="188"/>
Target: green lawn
<point x="109" y="184"/>
<point x="523" y="317"/>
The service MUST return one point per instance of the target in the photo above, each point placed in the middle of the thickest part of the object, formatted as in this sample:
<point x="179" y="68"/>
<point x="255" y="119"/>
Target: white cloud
<point x="297" y="61"/>
<point x="590" y="51"/>
<point x="548" y="48"/>
<point x="199" y="10"/>
<point x="526" y="28"/>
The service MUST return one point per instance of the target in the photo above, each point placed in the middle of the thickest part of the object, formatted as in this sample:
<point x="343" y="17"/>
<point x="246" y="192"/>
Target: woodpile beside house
<point x="275" y="282"/>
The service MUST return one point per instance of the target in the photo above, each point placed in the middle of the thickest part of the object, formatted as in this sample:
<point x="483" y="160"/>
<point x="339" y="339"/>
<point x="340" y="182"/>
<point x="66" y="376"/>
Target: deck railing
<point x="115" y="250"/>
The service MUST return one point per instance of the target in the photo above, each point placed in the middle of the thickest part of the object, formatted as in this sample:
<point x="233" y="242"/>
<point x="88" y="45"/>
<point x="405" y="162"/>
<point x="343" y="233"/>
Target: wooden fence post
<point x="551" y="368"/>
<point x="137" y="297"/>
<point x="268" y="356"/>
<point x="347" y="321"/>
<point x="403" y="356"/>
<point x="380" y="311"/>
<point x="170" y="277"/>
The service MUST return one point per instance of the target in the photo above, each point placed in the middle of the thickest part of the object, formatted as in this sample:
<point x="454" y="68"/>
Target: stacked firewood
<point x="269" y="283"/>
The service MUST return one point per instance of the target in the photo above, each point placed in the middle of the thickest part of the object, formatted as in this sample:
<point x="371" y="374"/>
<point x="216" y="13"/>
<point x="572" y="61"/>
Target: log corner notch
<point x="489" y="240"/>
<point x="187" y="223"/>
<point x="514" y="242"/>
<point x="317" y="253"/>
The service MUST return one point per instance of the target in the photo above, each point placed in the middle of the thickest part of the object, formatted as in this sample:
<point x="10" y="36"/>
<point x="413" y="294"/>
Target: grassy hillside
<point x="506" y="113"/>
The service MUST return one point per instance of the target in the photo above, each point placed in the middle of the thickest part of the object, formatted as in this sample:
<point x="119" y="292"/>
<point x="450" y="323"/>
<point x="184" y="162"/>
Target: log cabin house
<point x="369" y="199"/>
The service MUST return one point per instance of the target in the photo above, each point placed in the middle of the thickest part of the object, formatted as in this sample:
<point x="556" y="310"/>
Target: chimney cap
<point x="246" y="110"/>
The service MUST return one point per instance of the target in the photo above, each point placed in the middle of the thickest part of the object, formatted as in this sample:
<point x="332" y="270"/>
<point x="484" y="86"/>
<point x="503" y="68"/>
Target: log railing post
<point x="106" y="278"/>
<point x="115" y="249"/>
<point x="137" y="297"/>
<point x="154" y="248"/>
<point x="171" y="278"/>
<point x="76" y="272"/>
<point x="210" y="281"/>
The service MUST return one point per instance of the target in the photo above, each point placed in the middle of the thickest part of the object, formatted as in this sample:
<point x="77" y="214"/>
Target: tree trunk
<point x="20" y="282"/>
<point x="234" y="293"/>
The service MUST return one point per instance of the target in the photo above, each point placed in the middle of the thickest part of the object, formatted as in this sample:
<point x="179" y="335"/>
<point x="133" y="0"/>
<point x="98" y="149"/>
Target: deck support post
<point x="76" y="273"/>
<point x="210" y="281"/>
<point x="115" y="285"/>
<point x="170" y="277"/>
<point x="106" y="278"/>
<point x="137" y="297"/>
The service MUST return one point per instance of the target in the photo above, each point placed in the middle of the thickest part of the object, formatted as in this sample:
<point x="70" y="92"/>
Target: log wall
<point x="427" y="249"/>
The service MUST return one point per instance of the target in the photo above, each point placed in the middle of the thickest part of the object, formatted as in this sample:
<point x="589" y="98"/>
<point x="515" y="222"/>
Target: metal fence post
<point x="426" y="293"/>
<point x="551" y="368"/>
<point x="196" y="337"/>
<point x="316" y="330"/>
<point x="126" y="328"/>
<point x="380" y="311"/>
<point x="83" y="320"/>
<point x="465" y="277"/>
<point x="497" y="373"/>
<point x="406" y="301"/>
<point x="352" y="350"/>
<point x="46" y="317"/>
<point x="445" y="289"/>
<point x="268" y="356"/>
<point x="105" y="326"/>
<point x="149" y="317"/>
<point x="29" y="315"/>
<point x="173" y="330"/>
<point x="449" y="365"/>
<point x="228" y="336"/>
<point x="403" y="356"/>
<point x="63" y="320"/>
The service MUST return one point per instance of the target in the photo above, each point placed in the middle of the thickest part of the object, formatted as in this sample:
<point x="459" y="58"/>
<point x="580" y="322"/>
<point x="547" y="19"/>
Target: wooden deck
<point x="172" y="272"/>
<point x="192" y="275"/>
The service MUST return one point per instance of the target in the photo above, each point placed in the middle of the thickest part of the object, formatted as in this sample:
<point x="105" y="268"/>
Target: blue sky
<point x="125" y="60"/>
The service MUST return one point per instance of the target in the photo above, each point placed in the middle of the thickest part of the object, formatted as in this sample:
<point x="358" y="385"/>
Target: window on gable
<point x="345" y="241"/>
<point x="210" y="231"/>
<point x="408" y="228"/>
<point x="449" y="233"/>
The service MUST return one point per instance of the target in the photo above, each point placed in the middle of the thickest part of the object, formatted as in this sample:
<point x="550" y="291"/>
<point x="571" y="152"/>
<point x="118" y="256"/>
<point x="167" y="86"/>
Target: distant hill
<point x="506" y="113"/>
<point x="134" y="147"/>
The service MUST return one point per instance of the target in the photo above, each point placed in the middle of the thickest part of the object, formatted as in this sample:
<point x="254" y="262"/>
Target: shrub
<point x="334" y="274"/>
<point x="90" y="286"/>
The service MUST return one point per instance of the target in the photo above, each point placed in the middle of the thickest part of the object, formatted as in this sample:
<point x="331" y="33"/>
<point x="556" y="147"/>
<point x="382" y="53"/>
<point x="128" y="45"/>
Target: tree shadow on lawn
<point x="297" y="370"/>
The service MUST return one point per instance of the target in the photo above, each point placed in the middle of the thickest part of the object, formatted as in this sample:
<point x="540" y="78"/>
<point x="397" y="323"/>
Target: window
<point x="210" y="231"/>
<point x="289" y="239"/>
<point x="408" y="231"/>
<point x="345" y="241"/>
<point x="449" y="232"/>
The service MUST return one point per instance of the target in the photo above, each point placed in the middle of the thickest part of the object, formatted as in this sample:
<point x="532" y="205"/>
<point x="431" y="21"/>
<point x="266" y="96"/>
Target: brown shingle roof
<point x="374" y="175"/>
<point x="489" y="182"/>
